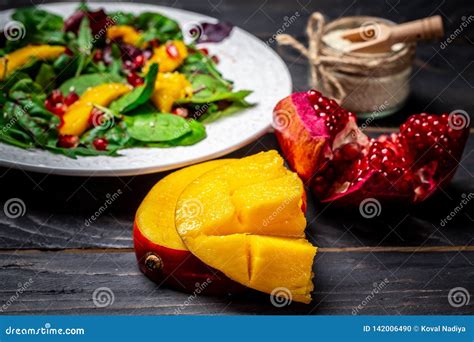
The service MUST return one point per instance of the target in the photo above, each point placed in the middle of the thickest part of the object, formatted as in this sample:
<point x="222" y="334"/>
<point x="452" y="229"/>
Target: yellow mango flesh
<point x="18" y="58"/>
<point x="250" y="225"/>
<point x="156" y="215"/>
<point x="128" y="34"/>
<point x="169" y="87"/>
<point x="76" y="118"/>
<point x="165" y="62"/>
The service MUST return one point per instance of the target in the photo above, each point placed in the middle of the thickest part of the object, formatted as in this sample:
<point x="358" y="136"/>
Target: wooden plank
<point x="63" y="283"/>
<point x="57" y="209"/>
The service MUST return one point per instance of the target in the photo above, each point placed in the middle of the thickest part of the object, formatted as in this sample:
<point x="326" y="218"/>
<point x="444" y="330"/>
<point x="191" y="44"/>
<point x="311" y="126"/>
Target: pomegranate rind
<point x="300" y="135"/>
<point x="310" y="150"/>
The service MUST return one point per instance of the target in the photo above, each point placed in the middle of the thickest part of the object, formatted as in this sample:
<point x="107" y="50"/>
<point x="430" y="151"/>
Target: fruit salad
<point x="99" y="82"/>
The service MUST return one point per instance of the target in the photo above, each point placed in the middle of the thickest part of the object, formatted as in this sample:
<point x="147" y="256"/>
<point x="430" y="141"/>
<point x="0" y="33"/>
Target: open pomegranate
<point x="322" y="142"/>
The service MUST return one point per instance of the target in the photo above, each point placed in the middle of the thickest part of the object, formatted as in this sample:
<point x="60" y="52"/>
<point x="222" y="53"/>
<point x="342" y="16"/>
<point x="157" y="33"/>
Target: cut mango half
<point x="245" y="219"/>
<point x="156" y="215"/>
<point x="161" y="254"/>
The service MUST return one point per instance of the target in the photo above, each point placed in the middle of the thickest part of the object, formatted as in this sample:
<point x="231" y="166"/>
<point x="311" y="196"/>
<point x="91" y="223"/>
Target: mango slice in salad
<point x="76" y="118"/>
<point x="169" y="56"/>
<point x="19" y="58"/>
<point x="169" y="87"/>
<point x="128" y="34"/>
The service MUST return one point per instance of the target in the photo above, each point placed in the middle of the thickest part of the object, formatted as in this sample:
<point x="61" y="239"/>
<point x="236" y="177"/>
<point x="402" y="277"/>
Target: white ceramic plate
<point x="243" y="58"/>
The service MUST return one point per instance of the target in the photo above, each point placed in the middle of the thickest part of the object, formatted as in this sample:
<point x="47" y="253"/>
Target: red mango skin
<point x="181" y="269"/>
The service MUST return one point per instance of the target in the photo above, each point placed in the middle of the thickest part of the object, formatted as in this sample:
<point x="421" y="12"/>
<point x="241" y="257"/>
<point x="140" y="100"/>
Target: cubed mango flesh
<point x="249" y="224"/>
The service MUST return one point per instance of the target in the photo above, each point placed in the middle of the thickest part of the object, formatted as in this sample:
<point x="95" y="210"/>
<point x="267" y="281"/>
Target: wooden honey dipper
<point x="379" y="37"/>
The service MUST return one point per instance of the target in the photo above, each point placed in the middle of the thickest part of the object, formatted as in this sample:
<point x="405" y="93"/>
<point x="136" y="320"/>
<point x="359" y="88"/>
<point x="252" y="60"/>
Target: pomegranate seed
<point x="313" y="96"/>
<point x="128" y="65"/>
<point x="183" y="112"/>
<point x="56" y="96"/>
<point x="71" y="98"/>
<point x="215" y="59"/>
<point x="98" y="55"/>
<point x="172" y="51"/>
<point x="68" y="52"/>
<point x="138" y="62"/>
<point x="134" y="79"/>
<point x="154" y="43"/>
<point x="68" y="141"/>
<point x="350" y="151"/>
<point x="204" y="51"/>
<point x="48" y="103"/>
<point x="100" y="144"/>
<point x="59" y="109"/>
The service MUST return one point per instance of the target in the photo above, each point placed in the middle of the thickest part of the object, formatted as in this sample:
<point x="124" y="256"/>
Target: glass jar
<point x="371" y="92"/>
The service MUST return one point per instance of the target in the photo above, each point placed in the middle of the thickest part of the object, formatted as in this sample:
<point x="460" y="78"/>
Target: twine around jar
<point x="329" y="66"/>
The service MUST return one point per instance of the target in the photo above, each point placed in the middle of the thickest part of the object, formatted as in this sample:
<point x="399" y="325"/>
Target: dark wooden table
<point x="408" y="255"/>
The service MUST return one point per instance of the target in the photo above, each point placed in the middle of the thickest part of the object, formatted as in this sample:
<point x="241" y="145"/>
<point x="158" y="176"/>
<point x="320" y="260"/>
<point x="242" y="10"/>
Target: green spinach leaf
<point x="40" y="27"/>
<point x="137" y="96"/>
<point x="157" y="26"/>
<point x="156" y="127"/>
<point x="46" y="77"/>
<point x="80" y="83"/>
<point x="85" y="42"/>
<point x="198" y="133"/>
